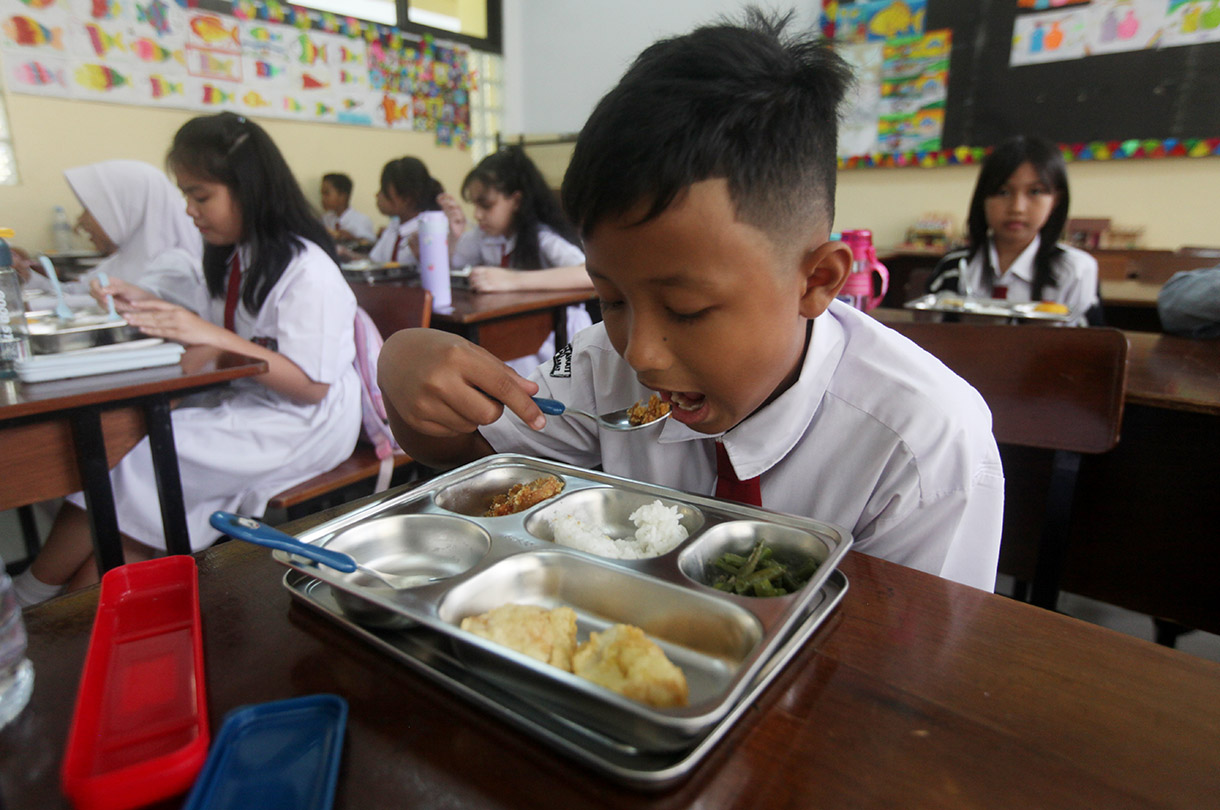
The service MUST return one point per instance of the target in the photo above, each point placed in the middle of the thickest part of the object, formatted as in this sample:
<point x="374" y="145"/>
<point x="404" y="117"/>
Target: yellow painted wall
<point x="1173" y="199"/>
<point x="50" y="135"/>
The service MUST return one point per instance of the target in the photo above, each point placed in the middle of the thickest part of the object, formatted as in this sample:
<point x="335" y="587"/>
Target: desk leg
<point x="95" y="481"/>
<point x="559" y="325"/>
<point x="165" y="469"/>
<point x="1053" y="549"/>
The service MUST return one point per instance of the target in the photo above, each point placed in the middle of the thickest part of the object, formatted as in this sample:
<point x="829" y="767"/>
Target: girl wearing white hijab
<point x="134" y="213"/>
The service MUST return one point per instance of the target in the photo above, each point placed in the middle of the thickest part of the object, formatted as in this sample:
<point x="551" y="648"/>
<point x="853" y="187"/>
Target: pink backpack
<point x="376" y="424"/>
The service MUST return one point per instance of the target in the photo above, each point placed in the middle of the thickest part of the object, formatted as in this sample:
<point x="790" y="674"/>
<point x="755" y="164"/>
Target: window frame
<point x="493" y="42"/>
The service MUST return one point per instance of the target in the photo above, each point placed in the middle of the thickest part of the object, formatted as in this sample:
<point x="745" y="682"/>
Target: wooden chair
<point x="1054" y="394"/>
<point x="392" y="307"/>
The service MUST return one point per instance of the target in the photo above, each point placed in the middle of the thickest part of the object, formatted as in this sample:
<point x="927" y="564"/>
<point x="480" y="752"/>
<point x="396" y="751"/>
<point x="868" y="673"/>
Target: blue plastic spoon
<point x="104" y="280"/>
<point x="255" y="531"/>
<point x="62" y="310"/>
<point x="615" y="420"/>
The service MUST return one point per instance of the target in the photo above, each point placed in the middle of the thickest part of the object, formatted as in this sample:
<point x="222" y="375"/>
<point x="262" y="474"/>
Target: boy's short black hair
<point x="740" y="102"/>
<point x="339" y="182"/>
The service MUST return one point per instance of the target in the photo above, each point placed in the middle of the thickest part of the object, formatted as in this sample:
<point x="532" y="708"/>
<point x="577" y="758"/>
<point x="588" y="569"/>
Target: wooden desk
<point x="511" y="324"/>
<point x="1163" y="371"/>
<point x="508" y="324"/>
<point x="1130" y="292"/>
<point x="915" y="692"/>
<point x="64" y="436"/>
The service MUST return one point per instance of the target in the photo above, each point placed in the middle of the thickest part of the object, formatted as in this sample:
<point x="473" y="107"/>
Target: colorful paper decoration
<point x="263" y="57"/>
<point x="1094" y="150"/>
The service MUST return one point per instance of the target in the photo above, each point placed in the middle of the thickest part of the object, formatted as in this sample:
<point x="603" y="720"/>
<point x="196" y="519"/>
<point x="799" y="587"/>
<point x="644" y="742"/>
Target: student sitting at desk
<point x="1189" y="304"/>
<point x="522" y="240"/>
<point x="703" y="185"/>
<point x="407" y="190"/>
<point x="345" y="223"/>
<point x="137" y="219"/>
<point x="1017" y="215"/>
<point x="274" y="293"/>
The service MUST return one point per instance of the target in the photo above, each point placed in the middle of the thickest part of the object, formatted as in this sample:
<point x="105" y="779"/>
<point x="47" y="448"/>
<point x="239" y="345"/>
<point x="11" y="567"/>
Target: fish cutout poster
<point x="879" y="20"/>
<point x="271" y="59"/>
<point x="1054" y="36"/>
<point x="45" y="76"/>
<point x="1117" y="26"/>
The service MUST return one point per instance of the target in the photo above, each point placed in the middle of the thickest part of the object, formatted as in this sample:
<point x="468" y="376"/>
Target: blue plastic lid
<point x="282" y="755"/>
<point x="6" y="255"/>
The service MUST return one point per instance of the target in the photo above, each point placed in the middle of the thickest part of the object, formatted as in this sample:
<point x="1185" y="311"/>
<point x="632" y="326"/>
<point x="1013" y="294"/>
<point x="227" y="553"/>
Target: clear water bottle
<point x="62" y="229"/>
<point x="16" y="671"/>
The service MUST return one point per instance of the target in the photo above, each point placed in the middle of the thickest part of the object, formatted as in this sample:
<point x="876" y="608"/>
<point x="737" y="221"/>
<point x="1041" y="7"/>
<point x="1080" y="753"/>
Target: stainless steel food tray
<point x="369" y="271"/>
<point x="984" y="308"/>
<point x="428" y="654"/>
<point x="86" y="329"/>
<point x="721" y="641"/>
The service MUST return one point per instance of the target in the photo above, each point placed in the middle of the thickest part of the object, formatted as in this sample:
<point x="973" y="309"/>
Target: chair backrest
<point x="394" y="306"/>
<point x="1056" y="388"/>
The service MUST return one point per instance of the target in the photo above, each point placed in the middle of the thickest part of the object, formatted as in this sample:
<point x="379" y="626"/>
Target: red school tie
<point x="505" y="256"/>
<point x="729" y="486"/>
<point x="233" y="294"/>
<point x="394" y="253"/>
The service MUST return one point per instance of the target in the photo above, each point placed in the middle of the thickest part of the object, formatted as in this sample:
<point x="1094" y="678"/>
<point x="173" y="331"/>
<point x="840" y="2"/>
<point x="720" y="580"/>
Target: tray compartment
<point x="472" y="496"/>
<point x="609" y="509"/>
<point x="711" y="639"/>
<point x="405" y="545"/>
<point x="792" y="546"/>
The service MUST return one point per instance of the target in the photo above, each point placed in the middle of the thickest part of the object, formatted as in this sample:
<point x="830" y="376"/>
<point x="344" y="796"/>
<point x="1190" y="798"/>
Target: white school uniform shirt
<point x="352" y="221"/>
<point x="396" y="232"/>
<point x="140" y="210"/>
<point x="1074" y="269"/>
<point x="476" y="248"/>
<point x="876" y="436"/>
<point x="239" y="445"/>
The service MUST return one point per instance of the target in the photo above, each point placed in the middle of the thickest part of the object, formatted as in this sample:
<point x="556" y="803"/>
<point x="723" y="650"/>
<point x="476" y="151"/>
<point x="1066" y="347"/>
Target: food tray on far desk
<point x="984" y="309"/>
<point x="368" y="271"/>
<point x="428" y="654"/>
<point x="721" y="641"/>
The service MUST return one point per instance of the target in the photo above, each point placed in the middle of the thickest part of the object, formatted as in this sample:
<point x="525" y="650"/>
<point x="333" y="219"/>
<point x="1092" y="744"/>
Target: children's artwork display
<point x="265" y="58"/>
<point x="1061" y="31"/>
<point x="1106" y="79"/>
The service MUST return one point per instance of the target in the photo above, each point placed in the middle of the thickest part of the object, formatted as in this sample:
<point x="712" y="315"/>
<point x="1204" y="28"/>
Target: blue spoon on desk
<point x="615" y="420"/>
<point x="255" y="531"/>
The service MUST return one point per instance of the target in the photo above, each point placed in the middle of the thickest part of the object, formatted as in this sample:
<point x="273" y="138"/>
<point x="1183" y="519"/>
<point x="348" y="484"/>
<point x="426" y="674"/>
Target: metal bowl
<point x="403" y="545"/>
<point x="85" y="330"/>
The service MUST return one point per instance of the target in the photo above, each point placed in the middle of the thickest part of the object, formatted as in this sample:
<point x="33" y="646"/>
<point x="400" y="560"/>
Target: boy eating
<point x="703" y="185"/>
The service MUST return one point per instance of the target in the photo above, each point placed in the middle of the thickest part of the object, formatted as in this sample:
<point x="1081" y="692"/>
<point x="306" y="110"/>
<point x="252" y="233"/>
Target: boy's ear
<point x="825" y="269"/>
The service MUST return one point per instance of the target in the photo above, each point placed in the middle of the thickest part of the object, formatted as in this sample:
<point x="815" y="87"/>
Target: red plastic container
<point x="140" y="728"/>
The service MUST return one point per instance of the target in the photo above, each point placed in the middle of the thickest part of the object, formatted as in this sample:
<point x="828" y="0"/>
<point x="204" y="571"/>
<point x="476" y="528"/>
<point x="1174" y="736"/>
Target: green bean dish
<point x="760" y="573"/>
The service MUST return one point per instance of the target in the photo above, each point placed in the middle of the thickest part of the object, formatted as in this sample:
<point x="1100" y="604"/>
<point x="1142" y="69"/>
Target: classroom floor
<point x="1195" y="642"/>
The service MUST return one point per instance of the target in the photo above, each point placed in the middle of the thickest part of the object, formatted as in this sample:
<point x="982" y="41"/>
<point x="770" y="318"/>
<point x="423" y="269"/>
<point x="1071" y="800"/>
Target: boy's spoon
<point x="255" y="531"/>
<point x="615" y="420"/>
<point x="104" y="280"/>
<point x="62" y="310"/>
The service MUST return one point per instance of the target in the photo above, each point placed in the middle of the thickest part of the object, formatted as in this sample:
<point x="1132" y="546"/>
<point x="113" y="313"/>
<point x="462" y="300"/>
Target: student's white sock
<point x="30" y="590"/>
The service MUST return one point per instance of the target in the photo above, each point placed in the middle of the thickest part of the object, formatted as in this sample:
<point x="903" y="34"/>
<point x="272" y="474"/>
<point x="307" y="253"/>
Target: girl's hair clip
<point x="242" y="138"/>
<point x="241" y="119"/>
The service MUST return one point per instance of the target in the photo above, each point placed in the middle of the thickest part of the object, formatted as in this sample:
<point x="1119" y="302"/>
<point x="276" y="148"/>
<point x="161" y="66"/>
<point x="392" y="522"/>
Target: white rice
<point x="658" y="531"/>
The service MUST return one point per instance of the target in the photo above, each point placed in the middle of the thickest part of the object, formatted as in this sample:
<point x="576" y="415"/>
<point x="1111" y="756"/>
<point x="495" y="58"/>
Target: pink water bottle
<point x="859" y="289"/>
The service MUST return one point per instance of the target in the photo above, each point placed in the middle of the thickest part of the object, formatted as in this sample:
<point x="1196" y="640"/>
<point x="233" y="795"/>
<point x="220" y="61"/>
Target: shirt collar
<point x="1023" y="266"/>
<point x="764" y="438"/>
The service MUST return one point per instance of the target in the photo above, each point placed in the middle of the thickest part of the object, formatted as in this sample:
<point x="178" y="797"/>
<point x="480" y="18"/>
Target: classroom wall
<point x="50" y="135"/>
<point x="1173" y="199"/>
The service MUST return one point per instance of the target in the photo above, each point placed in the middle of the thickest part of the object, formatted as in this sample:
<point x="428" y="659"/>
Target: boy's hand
<point x="441" y="385"/>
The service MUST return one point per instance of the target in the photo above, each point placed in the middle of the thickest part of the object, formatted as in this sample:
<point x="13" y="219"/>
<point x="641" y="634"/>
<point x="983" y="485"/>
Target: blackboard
<point x="1146" y="94"/>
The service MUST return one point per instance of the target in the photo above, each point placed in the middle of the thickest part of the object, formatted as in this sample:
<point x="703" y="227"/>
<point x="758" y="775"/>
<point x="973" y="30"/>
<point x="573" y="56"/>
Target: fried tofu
<point x="641" y="413"/>
<point x="626" y="661"/>
<point x="545" y="635"/>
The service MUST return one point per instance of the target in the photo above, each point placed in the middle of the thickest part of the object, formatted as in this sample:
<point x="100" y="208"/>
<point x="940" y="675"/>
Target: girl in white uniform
<point x="275" y="294"/>
<point x="1017" y="215"/>
<point x="134" y="215"/>
<point x="407" y="190"/>
<point x="522" y="241"/>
